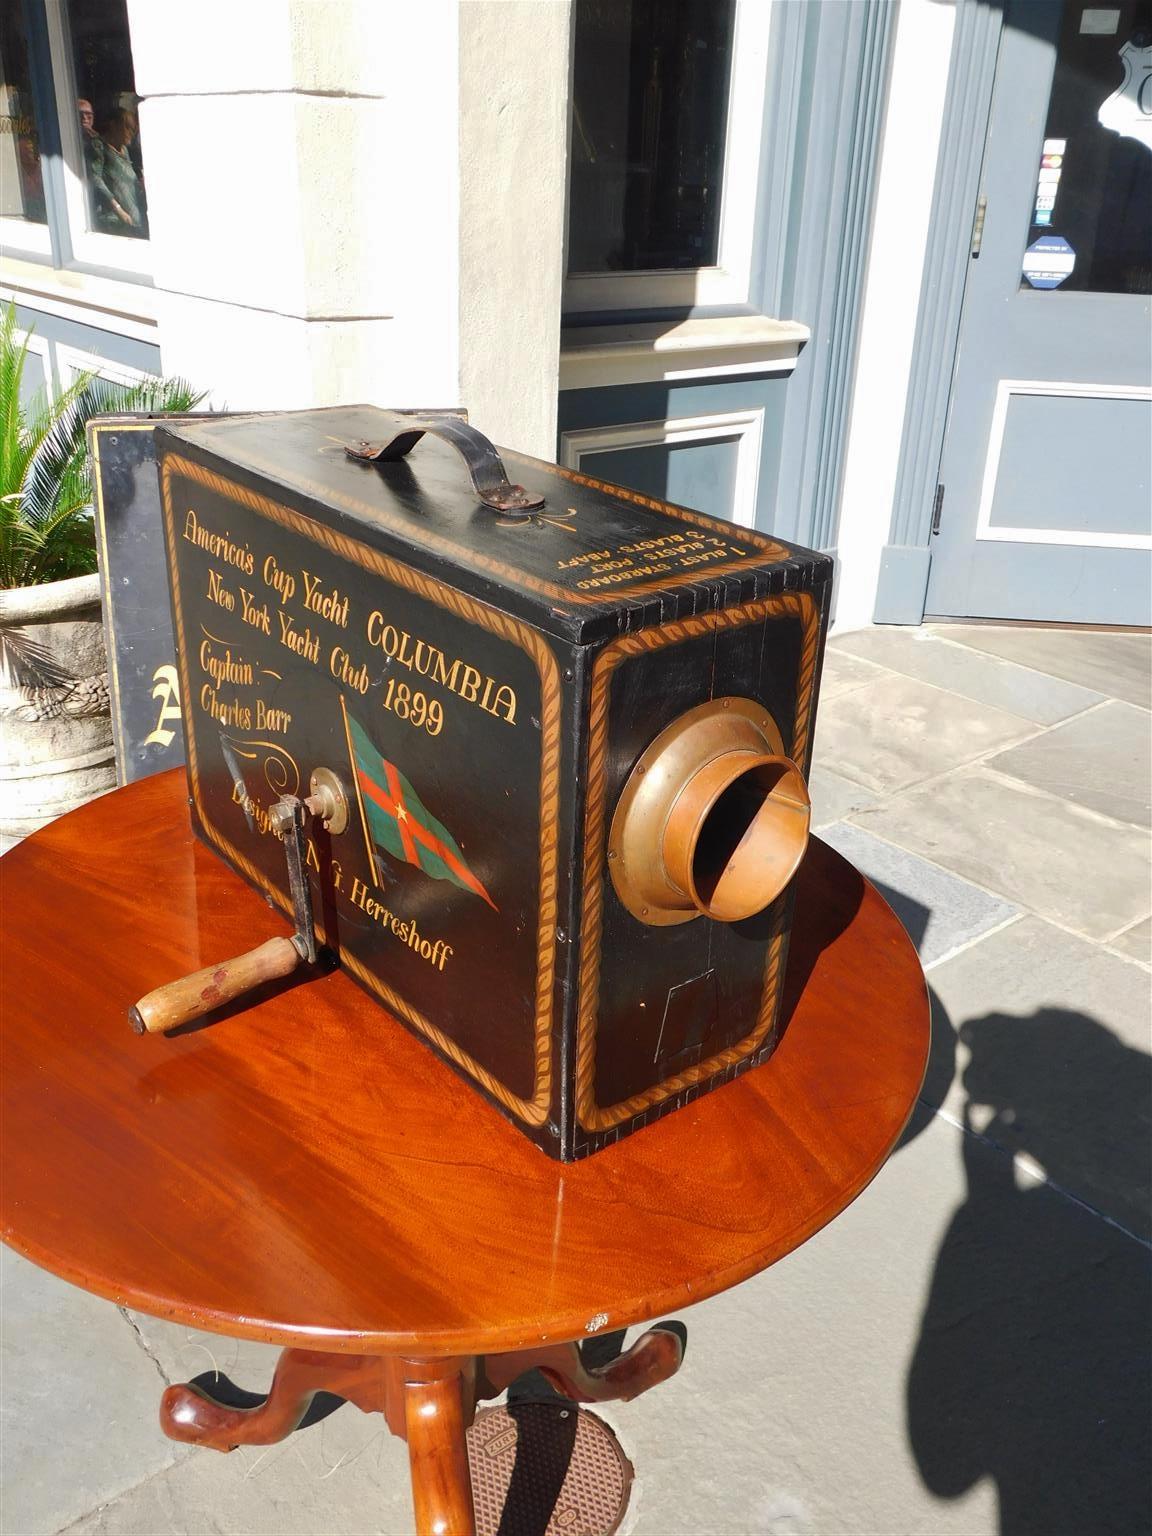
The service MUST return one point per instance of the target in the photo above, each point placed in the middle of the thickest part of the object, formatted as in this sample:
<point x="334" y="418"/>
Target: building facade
<point x="873" y="274"/>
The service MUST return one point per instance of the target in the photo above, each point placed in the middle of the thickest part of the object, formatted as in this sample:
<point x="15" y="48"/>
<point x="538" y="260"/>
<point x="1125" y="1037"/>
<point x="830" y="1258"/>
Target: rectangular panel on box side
<point x="441" y="717"/>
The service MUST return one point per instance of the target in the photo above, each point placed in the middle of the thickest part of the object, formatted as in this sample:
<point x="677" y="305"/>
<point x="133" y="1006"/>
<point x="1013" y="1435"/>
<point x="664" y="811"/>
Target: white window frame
<point x="729" y="281"/>
<point x="744" y="428"/>
<point x="71" y="362"/>
<point x="24" y="237"/>
<point x="39" y="345"/>
<point x="117" y="252"/>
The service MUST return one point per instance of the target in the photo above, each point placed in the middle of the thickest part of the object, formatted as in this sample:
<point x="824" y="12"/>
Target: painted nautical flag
<point x="399" y="822"/>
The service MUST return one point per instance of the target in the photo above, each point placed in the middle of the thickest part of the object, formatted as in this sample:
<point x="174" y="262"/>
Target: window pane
<point x="106" y="103"/>
<point x="1093" y="203"/>
<point x="21" y="180"/>
<point x="650" y="107"/>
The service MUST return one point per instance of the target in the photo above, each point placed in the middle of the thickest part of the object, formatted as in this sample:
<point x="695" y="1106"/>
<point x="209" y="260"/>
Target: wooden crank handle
<point x="188" y="997"/>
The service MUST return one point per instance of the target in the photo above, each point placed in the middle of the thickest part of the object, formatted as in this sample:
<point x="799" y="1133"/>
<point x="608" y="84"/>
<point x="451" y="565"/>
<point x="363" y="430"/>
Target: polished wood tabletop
<point x="302" y="1170"/>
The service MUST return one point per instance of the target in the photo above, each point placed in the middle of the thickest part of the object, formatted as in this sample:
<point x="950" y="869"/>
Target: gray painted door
<point x="1045" y="510"/>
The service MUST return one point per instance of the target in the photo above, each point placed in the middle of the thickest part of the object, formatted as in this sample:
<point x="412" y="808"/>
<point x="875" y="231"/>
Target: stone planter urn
<point x="56" y="748"/>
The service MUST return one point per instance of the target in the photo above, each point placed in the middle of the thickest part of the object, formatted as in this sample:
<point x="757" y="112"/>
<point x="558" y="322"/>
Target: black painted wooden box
<point x="483" y="685"/>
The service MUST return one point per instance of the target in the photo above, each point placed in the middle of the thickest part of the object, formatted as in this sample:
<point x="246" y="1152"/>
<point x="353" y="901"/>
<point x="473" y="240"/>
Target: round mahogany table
<point x="303" y="1171"/>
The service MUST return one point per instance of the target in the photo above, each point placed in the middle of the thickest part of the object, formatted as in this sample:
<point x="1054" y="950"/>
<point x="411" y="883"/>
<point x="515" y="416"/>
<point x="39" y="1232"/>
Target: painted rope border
<point x="591" y="1115"/>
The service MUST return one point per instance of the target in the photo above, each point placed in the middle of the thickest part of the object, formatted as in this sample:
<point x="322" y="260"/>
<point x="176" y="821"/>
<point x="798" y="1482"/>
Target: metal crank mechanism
<point x="484" y="464"/>
<point x="180" y="1001"/>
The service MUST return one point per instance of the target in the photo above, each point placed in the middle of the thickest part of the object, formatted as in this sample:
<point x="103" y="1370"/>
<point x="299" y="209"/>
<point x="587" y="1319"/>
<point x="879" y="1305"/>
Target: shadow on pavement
<point x="1032" y="1365"/>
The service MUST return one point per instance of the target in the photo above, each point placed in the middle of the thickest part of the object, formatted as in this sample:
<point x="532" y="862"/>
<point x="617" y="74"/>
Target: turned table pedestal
<point x="300" y="1170"/>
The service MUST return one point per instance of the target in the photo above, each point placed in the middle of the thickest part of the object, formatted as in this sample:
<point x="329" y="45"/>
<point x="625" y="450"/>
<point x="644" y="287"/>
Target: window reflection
<point x="650" y="108"/>
<point x="21" y="179"/>
<point x="1093" y="198"/>
<point x="109" y="128"/>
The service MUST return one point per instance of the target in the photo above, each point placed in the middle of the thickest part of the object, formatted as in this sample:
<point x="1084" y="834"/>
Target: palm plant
<point x="46" y="527"/>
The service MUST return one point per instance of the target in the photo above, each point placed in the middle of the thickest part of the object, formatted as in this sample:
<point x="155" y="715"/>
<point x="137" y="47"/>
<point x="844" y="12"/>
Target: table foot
<point x="191" y="1414"/>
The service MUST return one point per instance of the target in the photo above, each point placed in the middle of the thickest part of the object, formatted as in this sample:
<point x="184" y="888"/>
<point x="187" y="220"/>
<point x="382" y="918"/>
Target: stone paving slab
<point x="1051" y="1046"/>
<point x="970" y="673"/>
<point x="181" y="1353"/>
<point x="834" y="797"/>
<point x="843" y="672"/>
<point x="1065" y="863"/>
<point x="1135" y="942"/>
<point x="1102" y="760"/>
<point x="940" y="911"/>
<point x="896" y="731"/>
<point x="1119" y="665"/>
<point x="346" y="1476"/>
<point x="79" y="1404"/>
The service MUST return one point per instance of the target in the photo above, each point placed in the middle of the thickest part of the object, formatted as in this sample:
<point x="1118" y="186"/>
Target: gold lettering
<point x="255" y="613"/>
<point x="280" y="580"/>
<point x="505" y="703"/>
<point x="218" y="592"/>
<point x="441" y="674"/>
<point x="253" y="808"/>
<point x="436" y="953"/>
<point x="340" y="666"/>
<point x="271" y="719"/>
<point x="225" y="669"/>
<point x="473" y="686"/>
<point x="220" y="545"/>
<point x="166" y="688"/>
<point x="329" y="605"/>
<point x="302" y="641"/>
<point x="226" y="711"/>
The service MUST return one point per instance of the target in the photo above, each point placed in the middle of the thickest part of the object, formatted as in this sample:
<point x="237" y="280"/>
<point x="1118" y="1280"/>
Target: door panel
<point x="1045" y="507"/>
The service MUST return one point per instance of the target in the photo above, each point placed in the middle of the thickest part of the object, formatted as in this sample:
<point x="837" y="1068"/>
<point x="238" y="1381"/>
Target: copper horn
<point x="713" y="819"/>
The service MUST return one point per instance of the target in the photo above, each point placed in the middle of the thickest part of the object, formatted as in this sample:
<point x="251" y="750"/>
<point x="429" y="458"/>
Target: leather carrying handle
<point x="181" y="1001"/>
<point x="484" y="464"/>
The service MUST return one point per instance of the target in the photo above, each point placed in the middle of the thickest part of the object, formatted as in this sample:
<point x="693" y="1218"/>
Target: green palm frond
<point x="26" y="663"/>
<point x="12" y="426"/>
<point x="46" y="529"/>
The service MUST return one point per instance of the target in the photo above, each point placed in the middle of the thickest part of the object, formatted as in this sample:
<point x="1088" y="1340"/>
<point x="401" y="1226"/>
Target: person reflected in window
<point x="93" y="146"/>
<point x="119" y="194"/>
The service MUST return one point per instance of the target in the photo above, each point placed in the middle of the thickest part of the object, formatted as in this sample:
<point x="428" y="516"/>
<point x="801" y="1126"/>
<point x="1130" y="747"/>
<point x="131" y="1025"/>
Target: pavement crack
<point x="143" y="1343"/>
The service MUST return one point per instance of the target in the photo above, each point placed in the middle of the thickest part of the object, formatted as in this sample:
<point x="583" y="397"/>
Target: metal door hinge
<point x="937" y="504"/>
<point x="978" y="224"/>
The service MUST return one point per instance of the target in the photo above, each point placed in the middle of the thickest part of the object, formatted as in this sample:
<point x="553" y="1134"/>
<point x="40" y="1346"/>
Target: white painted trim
<point x="43" y="349"/>
<point x="729" y="281"/>
<point x="127" y="309"/>
<point x="1085" y="538"/>
<point x="98" y="250"/>
<point x="71" y="361"/>
<point x="908" y="163"/>
<point x="25" y="235"/>
<point x="594" y="356"/>
<point x="745" y="428"/>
